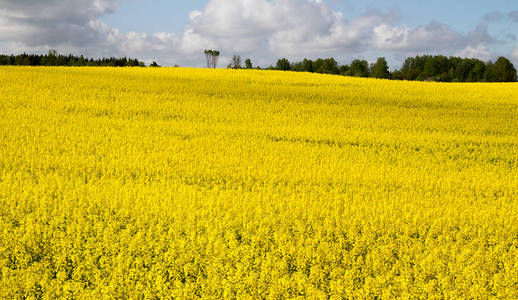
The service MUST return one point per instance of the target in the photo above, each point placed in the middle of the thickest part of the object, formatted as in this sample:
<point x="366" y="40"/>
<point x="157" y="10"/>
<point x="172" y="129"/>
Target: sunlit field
<point x="172" y="182"/>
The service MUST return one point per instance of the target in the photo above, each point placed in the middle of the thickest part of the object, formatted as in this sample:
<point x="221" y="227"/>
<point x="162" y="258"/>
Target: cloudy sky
<point x="176" y="31"/>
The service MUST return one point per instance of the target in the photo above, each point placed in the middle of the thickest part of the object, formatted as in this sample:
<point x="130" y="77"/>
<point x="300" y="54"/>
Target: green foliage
<point x="380" y="69"/>
<point x="359" y="68"/>
<point x="490" y="73"/>
<point x="307" y="65"/>
<point x="326" y="66"/>
<point x="212" y="52"/>
<point x="248" y="64"/>
<point x="421" y="68"/>
<point x="53" y="59"/>
<point x="457" y="69"/>
<point x="504" y="70"/>
<point x="477" y="71"/>
<point x="283" y="64"/>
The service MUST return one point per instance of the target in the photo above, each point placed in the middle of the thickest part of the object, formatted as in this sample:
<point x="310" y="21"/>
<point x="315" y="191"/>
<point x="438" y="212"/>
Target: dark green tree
<point x="248" y="64"/>
<point x="442" y="68"/>
<point x="326" y="66"/>
<point x="477" y="71"/>
<point x="359" y="68"/>
<point x="283" y="64"/>
<point x="343" y="69"/>
<point x="380" y="69"/>
<point x="463" y="70"/>
<point x="504" y="70"/>
<point x="490" y="73"/>
<point x="307" y="65"/>
<point x="397" y="75"/>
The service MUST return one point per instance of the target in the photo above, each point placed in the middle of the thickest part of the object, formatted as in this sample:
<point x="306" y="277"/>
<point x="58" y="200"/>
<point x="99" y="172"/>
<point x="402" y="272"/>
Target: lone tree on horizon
<point x="212" y="58"/>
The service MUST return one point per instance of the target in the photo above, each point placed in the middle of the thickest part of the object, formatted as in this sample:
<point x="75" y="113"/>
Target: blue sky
<point x="153" y="15"/>
<point x="176" y="32"/>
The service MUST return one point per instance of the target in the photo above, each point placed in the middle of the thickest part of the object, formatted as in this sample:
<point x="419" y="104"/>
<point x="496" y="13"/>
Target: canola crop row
<point x="172" y="182"/>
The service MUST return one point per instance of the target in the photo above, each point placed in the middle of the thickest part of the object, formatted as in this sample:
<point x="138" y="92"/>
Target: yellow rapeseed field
<point x="170" y="182"/>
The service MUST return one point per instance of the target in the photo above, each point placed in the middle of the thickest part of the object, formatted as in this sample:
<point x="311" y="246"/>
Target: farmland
<point x="131" y="182"/>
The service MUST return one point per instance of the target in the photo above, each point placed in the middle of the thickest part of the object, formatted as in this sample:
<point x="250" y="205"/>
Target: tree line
<point x="54" y="59"/>
<point x="422" y="68"/>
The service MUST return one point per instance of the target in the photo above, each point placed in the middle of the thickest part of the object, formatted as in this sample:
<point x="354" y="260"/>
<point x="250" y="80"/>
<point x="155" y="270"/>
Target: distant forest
<point x="422" y="68"/>
<point x="54" y="59"/>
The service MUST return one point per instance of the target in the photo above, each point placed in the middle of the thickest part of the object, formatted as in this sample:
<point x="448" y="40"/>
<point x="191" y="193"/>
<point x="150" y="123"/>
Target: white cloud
<point x="433" y="38"/>
<point x="480" y="51"/>
<point x="390" y="37"/>
<point x="194" y="14"/>
<point x="262" y="29"/>
<point x="297" y="28"/>
<point x="52" y="23"/>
